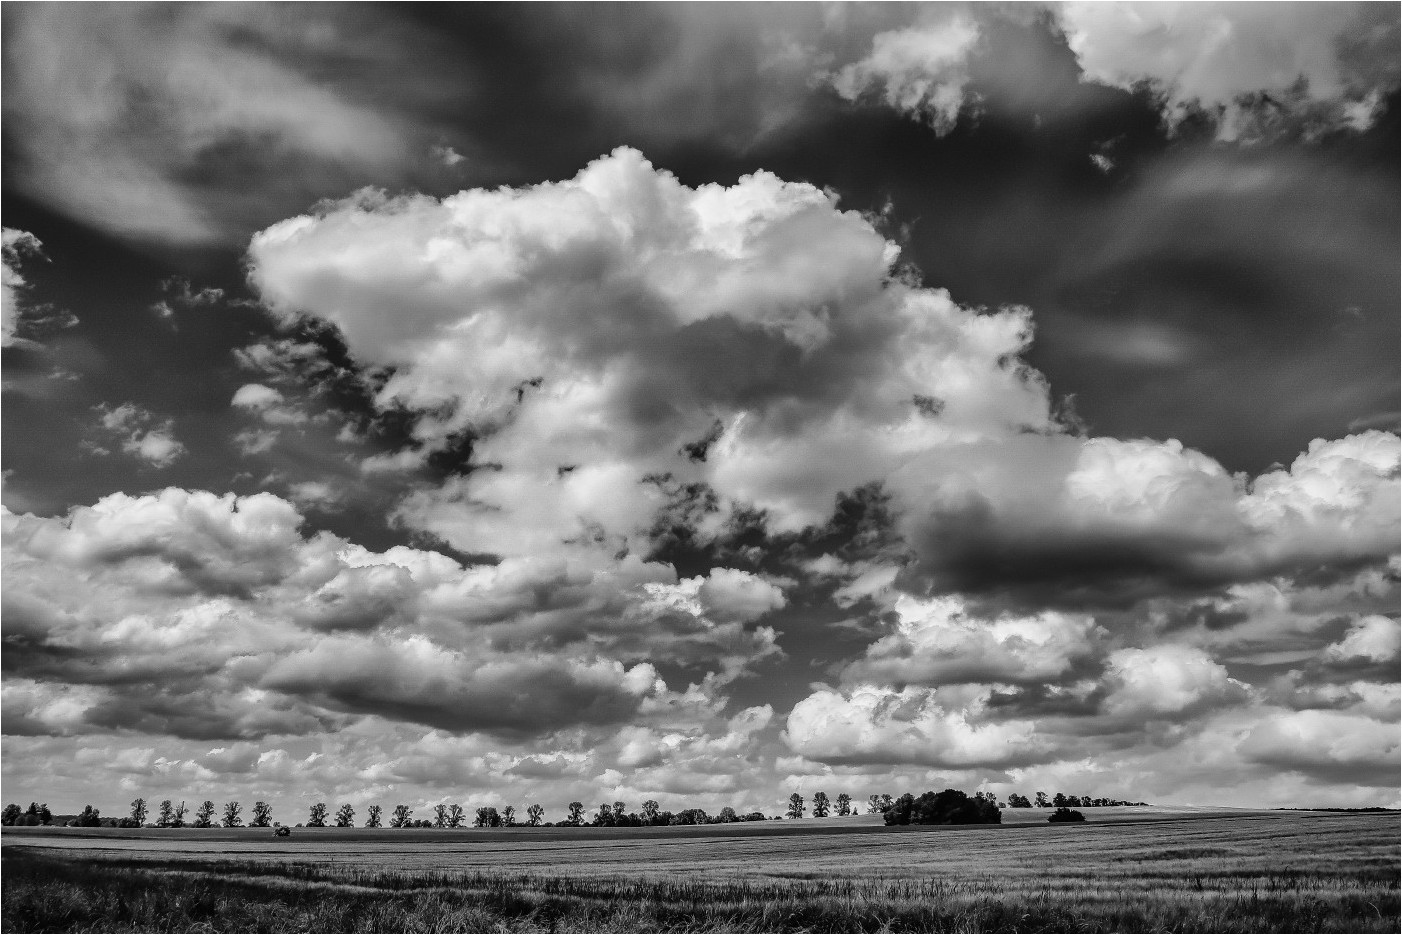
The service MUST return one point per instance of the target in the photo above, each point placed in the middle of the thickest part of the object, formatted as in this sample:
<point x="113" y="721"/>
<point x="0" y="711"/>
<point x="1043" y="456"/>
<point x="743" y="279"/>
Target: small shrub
<point x="1066" y="814"/>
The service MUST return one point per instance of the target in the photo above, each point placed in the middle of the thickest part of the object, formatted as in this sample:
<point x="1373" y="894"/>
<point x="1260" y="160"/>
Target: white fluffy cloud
<point x="204" y="615"/>
<point x="140" y="434"/>
<point x="1374" y="638"/>
<point x="611" y="339"/>
<point x="937" y="641"/>
<point x="17" y="245"/>
<point x="620" y="324"/>
<point x="1217" y="52"/>
<point x="1166" y="681"/>
<point x="870" y="724"/>
<point x="1081" y="517"/>
<point x="1328" y="744"/>
<point x="267" y="404"/>
<point x="921" y="71"/>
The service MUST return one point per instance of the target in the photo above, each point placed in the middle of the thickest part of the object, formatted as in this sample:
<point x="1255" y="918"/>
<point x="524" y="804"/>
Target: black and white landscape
<point x="700" y="404"/>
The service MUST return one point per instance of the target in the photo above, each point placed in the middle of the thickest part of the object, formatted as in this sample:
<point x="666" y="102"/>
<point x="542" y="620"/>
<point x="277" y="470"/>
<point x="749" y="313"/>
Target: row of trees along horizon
<point x="609" y="815"/>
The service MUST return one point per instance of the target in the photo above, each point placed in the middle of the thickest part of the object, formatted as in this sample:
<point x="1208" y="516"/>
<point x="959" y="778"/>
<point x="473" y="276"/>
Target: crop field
<point x="1125" y="869"/>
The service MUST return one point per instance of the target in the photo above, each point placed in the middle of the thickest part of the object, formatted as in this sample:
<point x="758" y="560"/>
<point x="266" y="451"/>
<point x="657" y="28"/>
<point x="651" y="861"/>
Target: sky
<point x="501" y="405"/>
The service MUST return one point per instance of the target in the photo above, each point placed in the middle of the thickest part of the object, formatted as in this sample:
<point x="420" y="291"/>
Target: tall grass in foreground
<point x="49" y="892"/>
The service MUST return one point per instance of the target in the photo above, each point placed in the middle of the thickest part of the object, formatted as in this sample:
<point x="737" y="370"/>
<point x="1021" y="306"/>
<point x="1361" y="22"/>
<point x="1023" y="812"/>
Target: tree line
<point x="169" y="814"/>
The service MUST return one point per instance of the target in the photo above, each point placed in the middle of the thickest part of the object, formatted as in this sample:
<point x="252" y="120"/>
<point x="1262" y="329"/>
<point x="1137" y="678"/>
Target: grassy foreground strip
<point x="51" y="891"/>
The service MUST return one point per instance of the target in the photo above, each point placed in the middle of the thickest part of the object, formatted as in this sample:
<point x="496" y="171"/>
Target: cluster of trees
<point x="1065" y="814"/>
<point x="36" y="814"/>
<point x="1064" y="801"/>
<point x="823" y="806"/>
<point x="208" y="815"/>
<point x="616" y="815"/>
<point x="908" y="809"/>
<point x="950" y="807"/>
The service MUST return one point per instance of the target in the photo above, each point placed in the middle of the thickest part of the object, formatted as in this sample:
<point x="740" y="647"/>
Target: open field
<point x="1125" y="869"/>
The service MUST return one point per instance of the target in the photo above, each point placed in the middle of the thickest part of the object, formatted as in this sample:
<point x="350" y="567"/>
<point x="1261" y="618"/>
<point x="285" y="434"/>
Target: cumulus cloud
<point x="140" y="433"/>
<point x="937" y="641"/>
<point x="921" y="71"/>
<point x="1166" y="681"/>
<point x="17" y="246"/>
<point x="1105" y="520"/>
<point x="215" y="616"/>
<point x="1254" y="73"/>
<point x="267" y="404"/>
<point x="1329" y="63"/>
<point x="414" y="679"/>
<point x="564" y="327"/>
<point x="1374" y="638"/>
<point x="1326" y="744"/>
<point x="870" y="724"/>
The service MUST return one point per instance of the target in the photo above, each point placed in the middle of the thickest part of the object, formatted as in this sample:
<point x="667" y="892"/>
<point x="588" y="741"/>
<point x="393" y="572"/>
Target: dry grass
<point x="1252" y="872"/>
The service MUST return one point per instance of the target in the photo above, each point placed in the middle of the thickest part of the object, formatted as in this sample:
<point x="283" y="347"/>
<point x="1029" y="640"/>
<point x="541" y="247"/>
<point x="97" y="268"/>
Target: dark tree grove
<point x="950" y="807"/>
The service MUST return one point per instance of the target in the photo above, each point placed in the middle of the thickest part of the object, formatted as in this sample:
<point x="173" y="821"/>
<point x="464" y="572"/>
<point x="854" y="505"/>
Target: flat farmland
<point x="1125" y="869"/>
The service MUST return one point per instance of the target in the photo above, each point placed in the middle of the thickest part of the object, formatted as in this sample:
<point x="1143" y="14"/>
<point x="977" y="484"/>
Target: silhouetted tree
<point x="345" y="816"/>
<point x="403" y="814"/>
<point x="204" y="815"/>
<point x="795" y="806"/>
<point x="844" y="804"/>
<point x="165" y="814"/>
<point x="138" y="811"/>
<point x="440" y="816"/>
<point x="372" y="817"/>
<point x="886" y="801"/>
<point x="726" y="816"/>
<point x="650" y="811"/>
<point x="177" y="820"/>
<point x="262" y="815"/>
<point x="1018" y="801"/>
<point x="691" y="816"/>
<point x="534" y="814"/>
<point x="89" y="818"/>
<point x="317" y="817"/>
<point x="231" y="815"/>
<point x="603" y="818"/>
<point x="576" y="814"/>
<point x="456" y="816"/>
<point x="487" y="818"/>
<point x="950" y="807"/>
<point x="11" y="813"/>
<point x="873" y="805"/>
<point x="1065" y="814"/>
<point x="508" y="816"/>
<point x="1042" y="800"/>
<point x="820" y="805"/>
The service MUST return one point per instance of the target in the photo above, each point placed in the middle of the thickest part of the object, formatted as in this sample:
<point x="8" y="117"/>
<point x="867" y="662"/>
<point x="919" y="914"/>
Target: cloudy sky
<point x="700" y="403"/>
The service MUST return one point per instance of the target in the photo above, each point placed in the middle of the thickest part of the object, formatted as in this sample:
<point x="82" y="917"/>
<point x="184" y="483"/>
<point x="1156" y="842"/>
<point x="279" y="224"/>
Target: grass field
<point x="1125" y="869"/>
